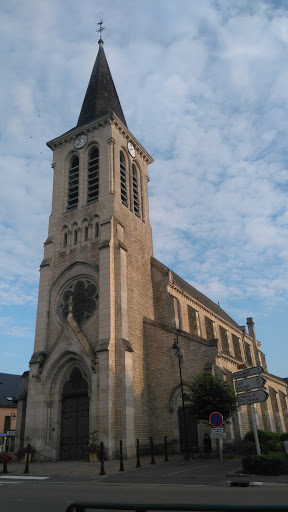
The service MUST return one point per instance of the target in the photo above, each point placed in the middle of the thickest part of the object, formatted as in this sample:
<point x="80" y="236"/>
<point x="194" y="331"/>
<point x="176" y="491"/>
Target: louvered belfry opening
<point x="93" y="176"/>
<point x="136" y="203"/>
<point x="123" y="180"/>
<point x="73" y="183"/>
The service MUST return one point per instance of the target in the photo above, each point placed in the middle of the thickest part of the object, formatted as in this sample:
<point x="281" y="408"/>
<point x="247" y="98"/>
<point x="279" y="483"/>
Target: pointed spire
<point x="101" y="96"/>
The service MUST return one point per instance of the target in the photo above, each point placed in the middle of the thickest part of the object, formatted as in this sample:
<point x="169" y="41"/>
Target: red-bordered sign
<point x="215" y="419"/>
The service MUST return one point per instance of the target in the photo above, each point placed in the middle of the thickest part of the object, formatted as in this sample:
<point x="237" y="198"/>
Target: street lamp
<point x="177" y="353"/>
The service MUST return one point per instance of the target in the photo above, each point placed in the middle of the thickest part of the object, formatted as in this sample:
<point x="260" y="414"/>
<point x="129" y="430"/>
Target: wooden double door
<point x="74" y="418"/>
<point x="191" y="428"/>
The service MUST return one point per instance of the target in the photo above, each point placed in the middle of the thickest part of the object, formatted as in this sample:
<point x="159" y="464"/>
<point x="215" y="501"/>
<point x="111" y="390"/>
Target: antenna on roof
<point x="100" y="42"/>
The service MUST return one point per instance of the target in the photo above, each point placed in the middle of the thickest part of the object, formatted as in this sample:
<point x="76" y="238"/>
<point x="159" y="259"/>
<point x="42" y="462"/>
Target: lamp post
<point x="177" y="353"/>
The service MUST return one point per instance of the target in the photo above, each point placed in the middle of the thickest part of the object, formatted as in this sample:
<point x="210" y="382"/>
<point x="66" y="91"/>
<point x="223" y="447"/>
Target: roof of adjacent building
<point x="10" y="389"/>
<point x="101" y="96"/>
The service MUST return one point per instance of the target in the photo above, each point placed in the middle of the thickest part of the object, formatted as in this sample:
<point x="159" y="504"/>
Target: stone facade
<point x="111" y="311"/>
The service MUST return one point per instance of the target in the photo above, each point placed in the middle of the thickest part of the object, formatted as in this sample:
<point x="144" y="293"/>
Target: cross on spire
<point x="100" y="30"/>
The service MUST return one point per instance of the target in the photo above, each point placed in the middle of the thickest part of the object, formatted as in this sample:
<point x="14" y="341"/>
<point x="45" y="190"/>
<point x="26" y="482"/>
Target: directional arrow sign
<point x="248" y="372"/>
<point x="252" y="383"/>
<point x="259" y="395"/>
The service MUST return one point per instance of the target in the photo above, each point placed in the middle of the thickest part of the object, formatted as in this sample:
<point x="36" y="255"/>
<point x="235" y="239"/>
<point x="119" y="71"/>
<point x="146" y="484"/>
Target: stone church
<point x="109" y="312"/>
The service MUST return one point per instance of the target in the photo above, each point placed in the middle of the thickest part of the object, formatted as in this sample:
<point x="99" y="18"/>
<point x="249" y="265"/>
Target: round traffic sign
<point x="216" y="419"/>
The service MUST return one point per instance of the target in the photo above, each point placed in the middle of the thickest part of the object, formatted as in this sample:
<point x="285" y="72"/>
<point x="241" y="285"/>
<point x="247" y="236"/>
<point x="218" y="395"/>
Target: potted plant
<point x="5" y="459"/>
<point x="93" y="449"/>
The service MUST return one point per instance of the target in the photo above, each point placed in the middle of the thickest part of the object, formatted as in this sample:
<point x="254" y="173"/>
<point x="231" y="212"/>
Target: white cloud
<point x="203" y="86"/>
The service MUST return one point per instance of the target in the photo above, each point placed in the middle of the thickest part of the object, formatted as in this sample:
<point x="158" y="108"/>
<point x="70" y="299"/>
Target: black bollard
<point x="102" y="470"/>
<point x="5" y="470"/>
<point x="152" y="451"/>
<point x="26" y="470"/>
<point x="138" y="465"/>
<point x="165" y="450"/>
<point x="121" y="458"/>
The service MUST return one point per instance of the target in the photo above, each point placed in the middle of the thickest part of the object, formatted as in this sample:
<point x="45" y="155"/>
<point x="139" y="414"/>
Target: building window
<point x="224" y="340"/>
<point x="93" y="176"/>
<point x="192" y="320"/>
<point x="209" y="328"/>
<point x="96" y="229"/>
<point x="73" y="183"/>
<point x="85" y="233"/>
<point x="65" y="240"/>
<point x="236" y="346"/>
<point x="177" y="313"/>
<point x="75" y="236"/>
<point x="7" y="424"/>
<point x="136" y="204"/>
<point x="123" y="180"/>
<point x="248" y="354"/>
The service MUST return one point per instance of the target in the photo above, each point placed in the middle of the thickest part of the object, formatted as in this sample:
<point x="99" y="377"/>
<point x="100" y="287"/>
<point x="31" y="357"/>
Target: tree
<point x="209" y="394"/>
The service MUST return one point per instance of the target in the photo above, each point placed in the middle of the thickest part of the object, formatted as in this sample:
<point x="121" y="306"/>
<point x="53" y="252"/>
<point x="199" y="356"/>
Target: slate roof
<point x="101" y="96"/>
<point x="200" y="297"/>
<point x="10" y="386"/>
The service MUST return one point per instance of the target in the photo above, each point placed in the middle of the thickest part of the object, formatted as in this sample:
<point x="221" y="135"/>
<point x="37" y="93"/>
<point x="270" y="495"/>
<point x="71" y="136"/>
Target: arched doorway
<point x="74" y="417"/>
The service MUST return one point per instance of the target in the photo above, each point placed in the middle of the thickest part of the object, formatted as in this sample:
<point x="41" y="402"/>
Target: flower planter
<point x="93" y="457"/>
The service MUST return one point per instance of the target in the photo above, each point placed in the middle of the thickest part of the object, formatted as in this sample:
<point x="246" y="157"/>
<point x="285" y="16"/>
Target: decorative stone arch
<point x="85" y="235"/>
<point x="65" y="239"/>
<point x="95" y="222"/>
<point x="176" y="408"/>
<point x="57" y="375"/>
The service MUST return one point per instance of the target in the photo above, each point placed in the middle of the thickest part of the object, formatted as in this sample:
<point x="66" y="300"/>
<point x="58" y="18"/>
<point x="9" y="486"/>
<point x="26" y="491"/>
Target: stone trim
<point x="111" y="119"/>
<point x="194" y="337"/>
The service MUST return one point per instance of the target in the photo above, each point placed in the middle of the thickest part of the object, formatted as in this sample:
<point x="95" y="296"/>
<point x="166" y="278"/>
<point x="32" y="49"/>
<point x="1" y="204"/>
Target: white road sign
<point x="248" y="372"/>
<point x="252" y="383"/>
<point x="217" y="435"/>
<point x="218" y="429"/>
<point x="253" y="397"/>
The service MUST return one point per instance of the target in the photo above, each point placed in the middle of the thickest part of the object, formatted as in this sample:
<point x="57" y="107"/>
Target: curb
<point x="248" y="483"/>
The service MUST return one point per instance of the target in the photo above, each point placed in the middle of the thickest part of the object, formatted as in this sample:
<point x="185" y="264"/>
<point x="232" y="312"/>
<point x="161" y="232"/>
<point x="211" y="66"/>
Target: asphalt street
<point x="52" y="487"/>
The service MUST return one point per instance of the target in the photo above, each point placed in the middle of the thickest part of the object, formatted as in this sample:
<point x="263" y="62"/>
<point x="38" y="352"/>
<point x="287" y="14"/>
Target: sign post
<point x="216" y="420"/>
<point x="252" y="397"/>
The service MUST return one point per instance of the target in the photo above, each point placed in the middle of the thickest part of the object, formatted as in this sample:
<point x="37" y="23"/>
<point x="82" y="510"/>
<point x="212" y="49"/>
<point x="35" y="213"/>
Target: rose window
<point x="84" y="296"/>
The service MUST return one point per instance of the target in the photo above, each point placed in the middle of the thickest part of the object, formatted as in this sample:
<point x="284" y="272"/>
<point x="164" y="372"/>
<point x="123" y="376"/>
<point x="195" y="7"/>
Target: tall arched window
<point x="123" y="180"/>
<point x="93" y="176"/>
<point x="73" y="183"/>
<point x="136" y="204"/>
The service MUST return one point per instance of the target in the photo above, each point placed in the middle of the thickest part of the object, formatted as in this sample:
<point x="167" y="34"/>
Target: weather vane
<point x="100" y="28"/>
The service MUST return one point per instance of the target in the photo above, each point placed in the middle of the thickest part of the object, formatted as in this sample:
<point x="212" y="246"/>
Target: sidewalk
<point x="84" y="471"/>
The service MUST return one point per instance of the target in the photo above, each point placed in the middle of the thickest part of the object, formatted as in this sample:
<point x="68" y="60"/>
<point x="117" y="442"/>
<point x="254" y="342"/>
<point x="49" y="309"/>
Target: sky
<point x="204" y="88"/>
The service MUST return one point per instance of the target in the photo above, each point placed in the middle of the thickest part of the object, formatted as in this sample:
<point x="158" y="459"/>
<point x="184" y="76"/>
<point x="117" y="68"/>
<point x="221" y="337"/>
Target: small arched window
<point x="123" y="180"/>
<point x="75" y="236"/>
<point x="65" y="240"/>
<point x="86" y="233"/>
<point x="73" y="183"/>
<point x="136" y="204"/>
<point x="96" y="229"/>
<point x="93" y="176"/>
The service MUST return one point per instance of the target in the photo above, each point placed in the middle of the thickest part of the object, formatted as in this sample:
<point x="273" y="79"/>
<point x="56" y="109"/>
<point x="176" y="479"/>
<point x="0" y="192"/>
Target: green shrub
<point x="263" y="436"/>
<point x="268" y="464"/>
<point x="283" y="436"/>
<point x="249" y="448"/>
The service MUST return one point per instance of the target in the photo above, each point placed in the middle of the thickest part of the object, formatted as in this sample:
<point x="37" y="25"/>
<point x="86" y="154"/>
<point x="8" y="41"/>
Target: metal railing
<point x="143" y="507"/>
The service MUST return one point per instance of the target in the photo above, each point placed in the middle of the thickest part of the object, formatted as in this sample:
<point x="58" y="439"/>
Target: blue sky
<point x="203" y="86"/>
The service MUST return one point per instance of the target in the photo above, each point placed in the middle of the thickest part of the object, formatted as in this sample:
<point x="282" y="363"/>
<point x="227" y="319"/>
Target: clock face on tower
<point x="131" y="149"/>
<point x="80" y="141"/>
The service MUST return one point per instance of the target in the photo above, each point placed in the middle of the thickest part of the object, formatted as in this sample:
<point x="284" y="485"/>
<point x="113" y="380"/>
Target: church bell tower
<point x="87" y="368"/>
